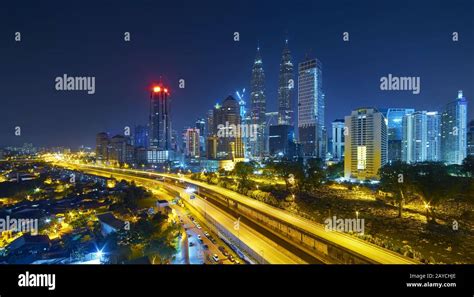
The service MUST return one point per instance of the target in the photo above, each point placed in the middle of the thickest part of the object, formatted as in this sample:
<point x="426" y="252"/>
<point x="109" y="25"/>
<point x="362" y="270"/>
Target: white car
<point x="215" y="257"/>
<point x="198" y="226"/>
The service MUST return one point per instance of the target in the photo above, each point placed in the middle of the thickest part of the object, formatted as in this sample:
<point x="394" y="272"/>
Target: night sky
<point x="194" y="41"/>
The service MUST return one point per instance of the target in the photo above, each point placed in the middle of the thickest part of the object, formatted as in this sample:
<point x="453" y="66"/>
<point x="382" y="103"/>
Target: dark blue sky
<point x="193" y="40"/>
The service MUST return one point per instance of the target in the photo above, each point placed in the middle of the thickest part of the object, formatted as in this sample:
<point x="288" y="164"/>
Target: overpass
<point x="311" y="237"/>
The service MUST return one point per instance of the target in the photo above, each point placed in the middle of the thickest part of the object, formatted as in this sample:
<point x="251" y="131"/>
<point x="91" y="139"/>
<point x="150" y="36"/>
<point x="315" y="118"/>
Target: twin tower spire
<point x="258" y="99"/>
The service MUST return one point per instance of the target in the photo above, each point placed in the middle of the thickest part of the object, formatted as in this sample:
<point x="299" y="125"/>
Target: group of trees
<point x="152" y="236"/>
<point x="430" y="181"/>
<point x="128" y="198"/>
<point x="298" y="175"/>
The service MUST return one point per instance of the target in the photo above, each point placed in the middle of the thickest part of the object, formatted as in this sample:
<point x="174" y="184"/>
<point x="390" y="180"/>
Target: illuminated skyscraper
<point x="421" y="137"/>
<point x="162" y="144"/>
<point x="201" y="125"/>
<point x="120" y="150"/>
<point x="454" y="131"/>
<point x="285" y="88"/>
<point x="394" y="124"/>
<point x="258" y="107"/>
<point x="102" y="142"/>
<point x="160" y="123"/>
<point x="311" y="109"/>
<point x="192" y="142"/>
<point x="228" y="133"/>
<point x="337" y="140"/>
<point x="141" y="137"/>
<point x="470" y="139"/>
<point x="366" y="144"/>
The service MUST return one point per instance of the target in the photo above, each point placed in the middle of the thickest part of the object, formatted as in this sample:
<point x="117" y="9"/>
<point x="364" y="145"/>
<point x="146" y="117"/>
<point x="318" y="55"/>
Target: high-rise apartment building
<point x="454" y="131"/>
<point x="421" y="137"/>
<point x="365" y="144"/>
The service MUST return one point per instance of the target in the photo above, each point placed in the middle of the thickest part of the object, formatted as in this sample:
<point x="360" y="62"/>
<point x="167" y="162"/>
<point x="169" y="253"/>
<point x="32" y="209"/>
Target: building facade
<point x="160" y="121"/>
<point x="282" y="141"/>
<point x="228" y="130"/>
<point x="395" y="131"/>
<point x="421" y="137"/>
<point x="102" y="147"/>
<point x="470" y="139"/>
<point x="365" y="145"/>
<point x="337" y="140"/>
<point x="286" y="85"/>
<point x="258" y="107"/>
<point x="162" y="144"/>
<point x="141" y="137"/>
<point x="311" y="109"/>
<point x="454" y="131"/>
<point x="192" y="143"/>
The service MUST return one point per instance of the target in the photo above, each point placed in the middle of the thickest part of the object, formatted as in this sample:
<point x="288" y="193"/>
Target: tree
<point x="433" y="183"/>
<point x="396" y="179"/>
<point x="160" y="247"/>
<point x="314" y="173"/>
<point x="468" y="166"/>
<point x="292" y="172"/>
<point x="335" y="170"/>
<point x="243" y="170"/>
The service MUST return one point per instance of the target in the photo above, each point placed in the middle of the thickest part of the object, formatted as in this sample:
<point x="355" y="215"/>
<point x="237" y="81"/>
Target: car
<point x="198" y="226"/>
<point x="224" y="251"/>
<point x="191" y="243"/>
<point x="215" y="257"/>
<point x="207" y="234"/>
<point x="205" y="246"/>
<point x="200" y="238"/>
<point x="237" y="262"/>
<point x="231" y="258"/>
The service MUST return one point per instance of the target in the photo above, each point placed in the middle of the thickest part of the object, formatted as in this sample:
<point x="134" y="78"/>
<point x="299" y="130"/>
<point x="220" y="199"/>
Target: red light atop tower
<point x="166" y="90"/>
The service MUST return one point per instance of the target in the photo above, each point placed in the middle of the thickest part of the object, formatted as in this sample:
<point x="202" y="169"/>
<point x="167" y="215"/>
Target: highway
<point x="357" y="246"/>
<point x="366" y="249"/>
<point x="266" y="248"/>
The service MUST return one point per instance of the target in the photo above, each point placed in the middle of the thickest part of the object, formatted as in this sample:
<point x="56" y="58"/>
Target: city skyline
<point x="121" y="100"/>
<point x="315" y="135"/>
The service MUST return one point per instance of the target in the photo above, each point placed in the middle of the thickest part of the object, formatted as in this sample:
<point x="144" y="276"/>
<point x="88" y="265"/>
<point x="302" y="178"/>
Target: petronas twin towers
<point x="258" y="100"/>
<point x="285" y="88"/>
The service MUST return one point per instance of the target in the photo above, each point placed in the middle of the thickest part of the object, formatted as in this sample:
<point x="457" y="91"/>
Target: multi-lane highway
<point x="368" y="250"/>
<point x="270" y="251"/>
<point x="354" y="245"/>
